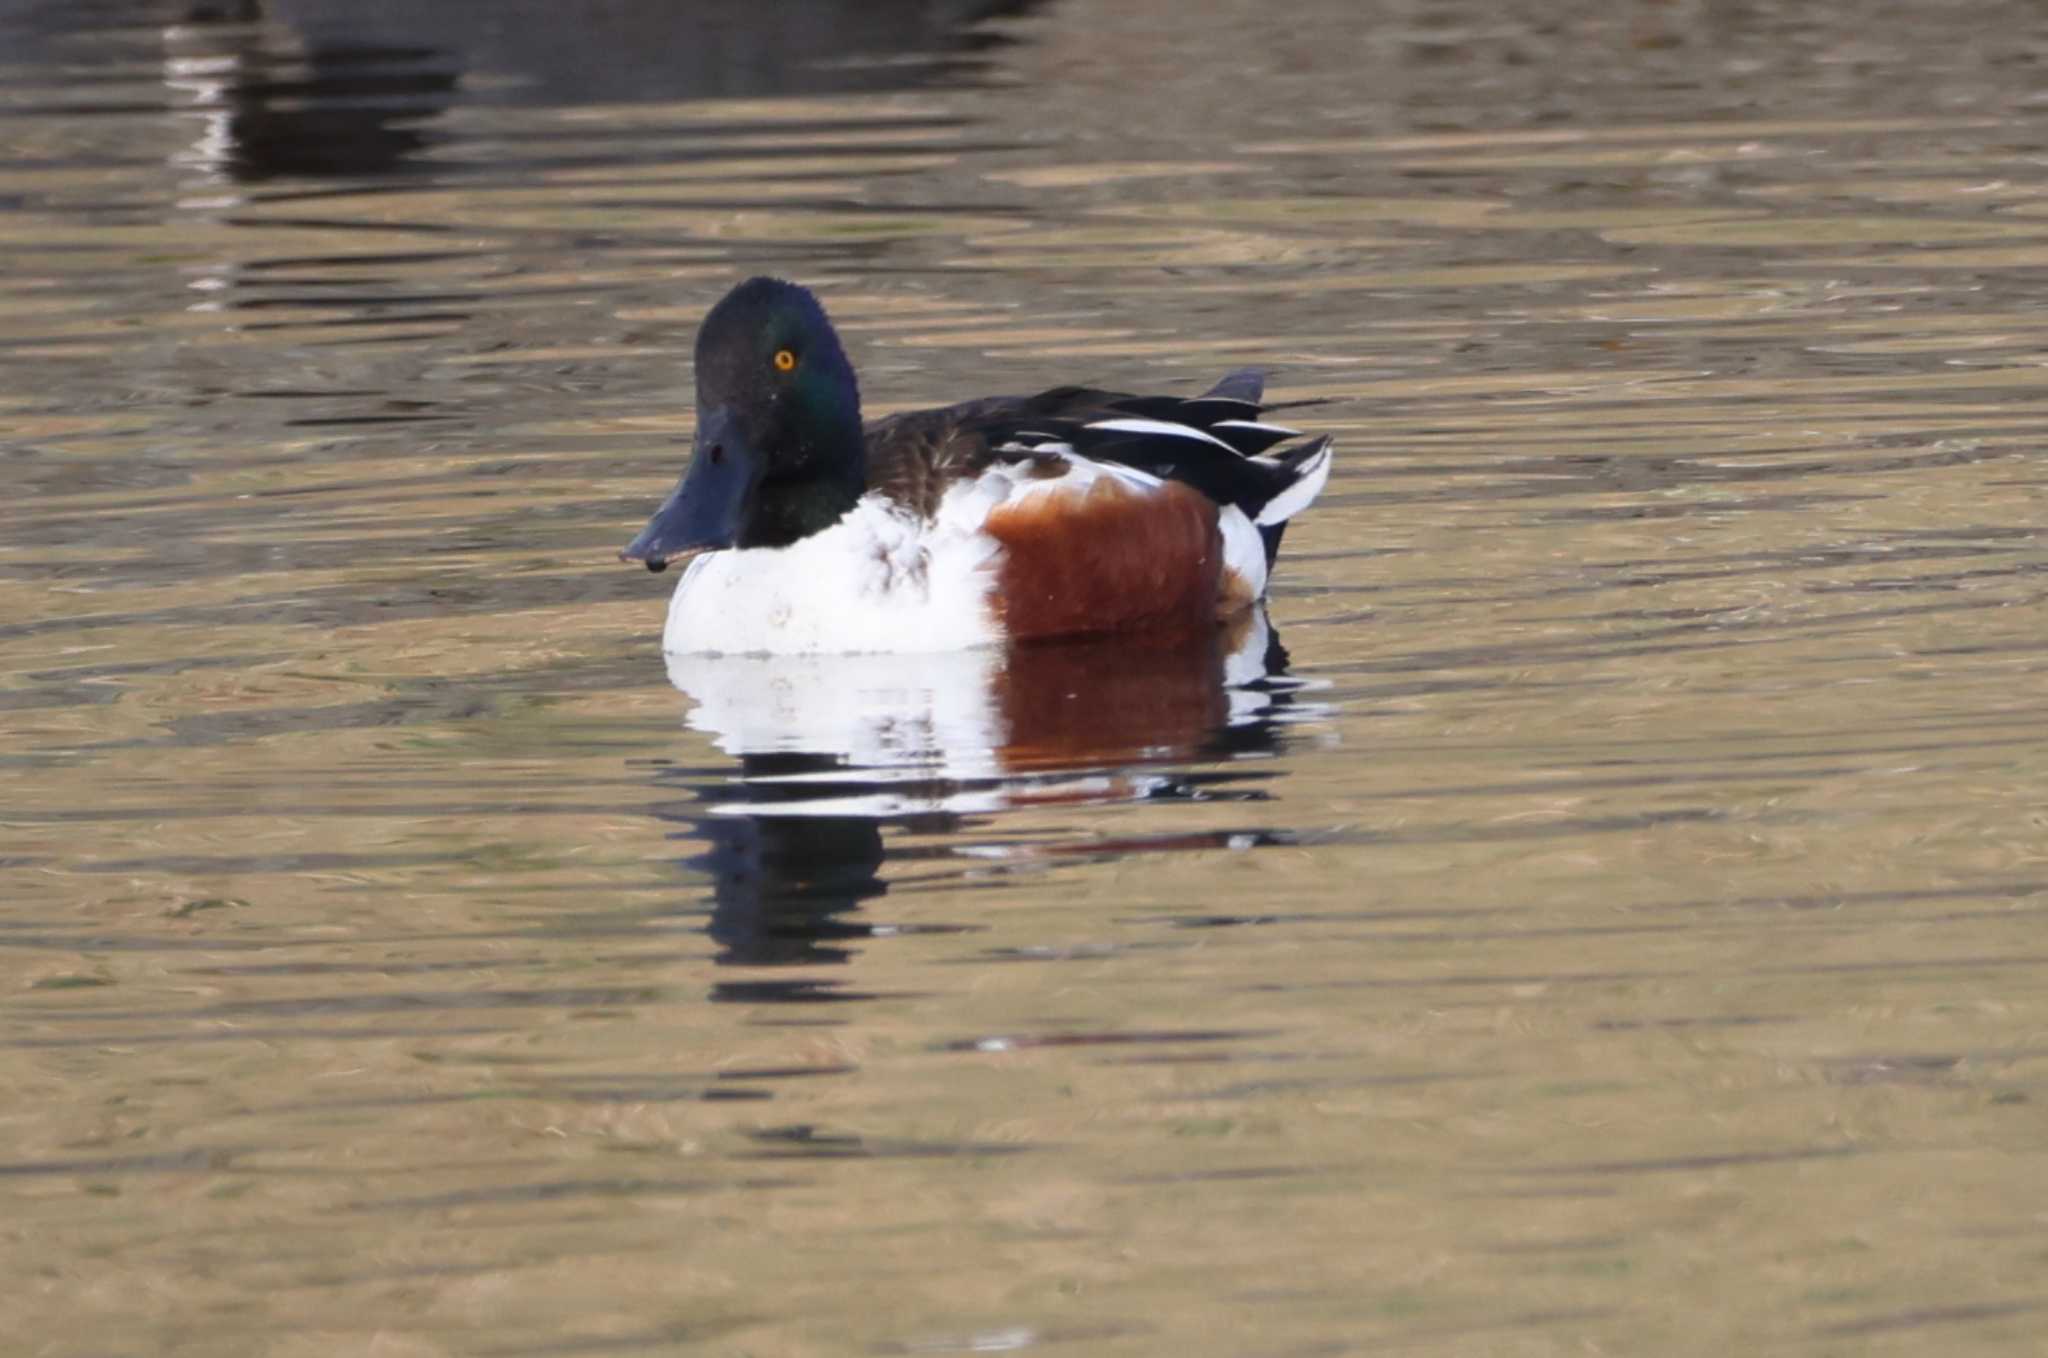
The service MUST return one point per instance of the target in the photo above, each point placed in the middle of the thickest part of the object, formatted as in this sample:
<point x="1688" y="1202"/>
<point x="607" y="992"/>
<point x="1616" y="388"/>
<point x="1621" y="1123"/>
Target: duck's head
<point x="779" y="452"/>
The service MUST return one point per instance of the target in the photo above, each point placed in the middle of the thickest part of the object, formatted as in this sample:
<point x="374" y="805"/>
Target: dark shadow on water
<point x="350" y="88"/>
<point x="857" y="775"/>
<point x="267" y="108"/>
<point x="813" y="870"/>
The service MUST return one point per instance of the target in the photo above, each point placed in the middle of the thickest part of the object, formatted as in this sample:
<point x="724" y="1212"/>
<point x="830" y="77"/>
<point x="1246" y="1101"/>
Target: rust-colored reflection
<point x="1084" y="702"/>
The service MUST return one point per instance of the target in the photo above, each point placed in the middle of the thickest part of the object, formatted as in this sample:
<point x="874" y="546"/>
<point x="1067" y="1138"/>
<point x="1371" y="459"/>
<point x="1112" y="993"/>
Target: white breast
<point x="878" y="580"/>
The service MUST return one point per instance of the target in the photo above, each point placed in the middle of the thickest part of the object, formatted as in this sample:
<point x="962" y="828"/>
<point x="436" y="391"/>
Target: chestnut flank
<point x="1111" y="558"/>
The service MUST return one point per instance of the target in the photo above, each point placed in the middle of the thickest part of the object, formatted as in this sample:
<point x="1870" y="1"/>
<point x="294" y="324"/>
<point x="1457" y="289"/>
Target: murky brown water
<point x="1619" y="931"/>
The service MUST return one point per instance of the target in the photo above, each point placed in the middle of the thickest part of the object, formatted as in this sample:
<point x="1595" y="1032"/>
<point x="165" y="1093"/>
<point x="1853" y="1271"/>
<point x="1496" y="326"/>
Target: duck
<point x="1073" y="513"/>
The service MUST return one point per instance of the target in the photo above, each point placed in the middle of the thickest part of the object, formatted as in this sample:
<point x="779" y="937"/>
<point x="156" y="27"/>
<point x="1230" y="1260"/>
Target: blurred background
<point x="1602" y="914"/>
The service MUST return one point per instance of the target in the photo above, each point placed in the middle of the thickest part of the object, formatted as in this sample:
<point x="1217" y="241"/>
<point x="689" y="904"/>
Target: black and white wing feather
<point x="1218" y="442"/>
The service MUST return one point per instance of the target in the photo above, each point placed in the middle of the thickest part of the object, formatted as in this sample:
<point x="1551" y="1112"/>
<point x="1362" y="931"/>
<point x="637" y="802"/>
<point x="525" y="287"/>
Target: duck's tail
<point x="1301" y="473"/>
<point x="1296" y="475"/>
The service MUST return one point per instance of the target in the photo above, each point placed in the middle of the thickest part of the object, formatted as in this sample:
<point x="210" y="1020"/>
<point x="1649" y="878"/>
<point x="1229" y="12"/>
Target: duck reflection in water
<point x="839" y="757"/>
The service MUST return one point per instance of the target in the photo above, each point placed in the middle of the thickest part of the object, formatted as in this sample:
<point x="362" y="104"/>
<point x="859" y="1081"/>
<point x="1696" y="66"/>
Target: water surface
<point x="1604" y="915"/>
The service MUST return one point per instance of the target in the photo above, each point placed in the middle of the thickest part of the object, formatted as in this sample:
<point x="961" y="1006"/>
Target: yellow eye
<point x="785" y="359"/>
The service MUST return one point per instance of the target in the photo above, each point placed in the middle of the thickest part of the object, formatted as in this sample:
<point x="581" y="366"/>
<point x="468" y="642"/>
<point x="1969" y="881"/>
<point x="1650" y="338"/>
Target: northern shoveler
<point x="1074" y="512"/>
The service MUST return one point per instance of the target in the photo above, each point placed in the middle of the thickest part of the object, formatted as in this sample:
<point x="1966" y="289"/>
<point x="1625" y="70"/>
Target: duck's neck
<point x="788" y="510"/>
